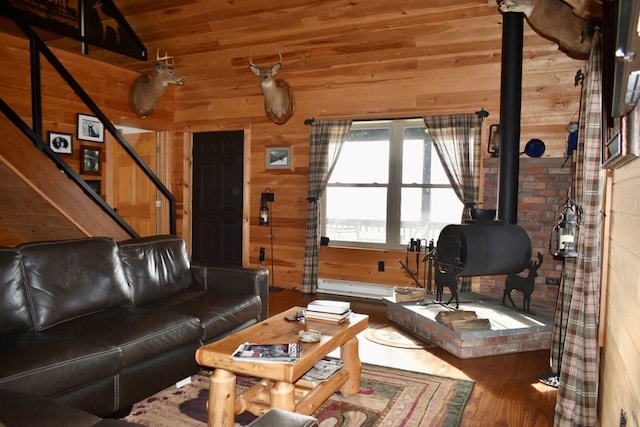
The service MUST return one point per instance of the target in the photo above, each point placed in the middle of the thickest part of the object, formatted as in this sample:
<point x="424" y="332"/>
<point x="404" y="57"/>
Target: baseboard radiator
<point x="354" y="289"/>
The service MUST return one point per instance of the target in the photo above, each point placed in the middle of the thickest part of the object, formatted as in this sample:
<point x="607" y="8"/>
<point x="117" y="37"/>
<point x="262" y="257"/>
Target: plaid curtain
<point x="456" y="139"/>
<point x="576" y="404"/>
<point x="325" y="144"/>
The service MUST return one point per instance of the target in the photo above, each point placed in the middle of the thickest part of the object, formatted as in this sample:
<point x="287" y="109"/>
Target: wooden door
<point x="134" y="195"/>
<point x="217" y="197"/>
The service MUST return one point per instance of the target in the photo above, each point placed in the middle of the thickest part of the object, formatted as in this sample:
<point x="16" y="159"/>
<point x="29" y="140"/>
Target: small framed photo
<point x="96" y="185"/>
<point x="61" y="142"/>
<point x="90" y="128"/>
<point x="278" y="158"/>
<point x="90" y="160"/>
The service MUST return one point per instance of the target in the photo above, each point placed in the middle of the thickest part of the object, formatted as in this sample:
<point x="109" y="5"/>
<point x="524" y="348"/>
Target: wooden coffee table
<point x="281" y="386"/>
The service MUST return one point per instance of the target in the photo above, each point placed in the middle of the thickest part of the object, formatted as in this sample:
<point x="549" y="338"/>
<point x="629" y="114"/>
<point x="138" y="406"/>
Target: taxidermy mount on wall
<point x="570" y="24"/>
<point x="146" y="91"/>
<point x="279" y="103"/>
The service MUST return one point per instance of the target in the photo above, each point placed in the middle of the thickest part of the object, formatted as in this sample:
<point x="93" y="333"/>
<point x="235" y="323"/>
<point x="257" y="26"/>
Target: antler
<point x="165" y="58"/>
<point x="254" y="65"/>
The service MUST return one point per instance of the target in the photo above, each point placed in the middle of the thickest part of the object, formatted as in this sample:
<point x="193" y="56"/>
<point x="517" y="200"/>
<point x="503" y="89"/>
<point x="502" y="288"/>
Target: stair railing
<point x="37" y="46"/>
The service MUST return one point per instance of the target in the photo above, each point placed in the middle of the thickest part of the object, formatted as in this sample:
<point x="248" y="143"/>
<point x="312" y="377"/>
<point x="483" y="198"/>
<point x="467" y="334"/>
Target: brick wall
<point x="543" y="186"/>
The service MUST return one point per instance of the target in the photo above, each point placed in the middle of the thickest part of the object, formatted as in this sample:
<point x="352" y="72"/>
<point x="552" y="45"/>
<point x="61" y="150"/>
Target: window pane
<point x="424" y="212"/>
<point x="364" y="158"/>
<point x="420" y="162"/>
<point x="356" y="214"/>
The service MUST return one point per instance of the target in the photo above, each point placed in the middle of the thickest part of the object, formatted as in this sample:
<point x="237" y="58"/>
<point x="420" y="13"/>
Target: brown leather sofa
<point x="25" y="410"/>
<point x="99" y="325"/>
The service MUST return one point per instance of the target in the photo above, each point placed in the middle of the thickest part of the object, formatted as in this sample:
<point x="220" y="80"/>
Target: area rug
<point x="388" y="397"/>
<point x="393" y="336"/>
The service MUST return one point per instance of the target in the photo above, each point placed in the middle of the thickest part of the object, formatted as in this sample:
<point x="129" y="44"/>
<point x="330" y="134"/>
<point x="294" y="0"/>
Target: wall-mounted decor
<point x="278" y="158"/>
<point x="96" y="185"/>
<point x="61" y="142"/>
<point x="90" y="160"/>
<point x="90" y="128"/>
<point x="624" y="145"/>
<point x="279" y="101"/>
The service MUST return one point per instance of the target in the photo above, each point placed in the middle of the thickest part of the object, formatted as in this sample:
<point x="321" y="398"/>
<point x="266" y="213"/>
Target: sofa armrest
<point x="230" y="279"/>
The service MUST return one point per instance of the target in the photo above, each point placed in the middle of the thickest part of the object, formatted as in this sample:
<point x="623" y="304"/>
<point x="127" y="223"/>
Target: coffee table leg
<point x="282" y="396"/>
<point x="222" y="398"/>
<point x="349" y="355"/>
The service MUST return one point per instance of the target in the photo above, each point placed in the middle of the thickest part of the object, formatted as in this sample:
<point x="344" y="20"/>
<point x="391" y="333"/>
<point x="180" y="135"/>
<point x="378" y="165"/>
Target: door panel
<point x="217" y="197"/>
<point x="134" y="195"/>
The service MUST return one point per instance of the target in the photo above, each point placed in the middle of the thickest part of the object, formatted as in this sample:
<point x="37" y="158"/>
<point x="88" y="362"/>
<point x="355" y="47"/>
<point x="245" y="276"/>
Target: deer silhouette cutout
<point x="523" y="284"/>
<point x="446" y="278"/>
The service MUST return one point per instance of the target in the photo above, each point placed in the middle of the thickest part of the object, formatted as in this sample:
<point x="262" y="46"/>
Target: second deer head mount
<point x="279" y="102"/>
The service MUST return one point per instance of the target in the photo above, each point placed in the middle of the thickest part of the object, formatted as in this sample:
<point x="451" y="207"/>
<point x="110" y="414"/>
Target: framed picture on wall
<point x="90" y="160"/>
<point x="278" y="158"/>
<point x="61" y="143"/>
<point x="623" y="146"/>
<point x="96" y="185"/>
<point x="90" y="128"/>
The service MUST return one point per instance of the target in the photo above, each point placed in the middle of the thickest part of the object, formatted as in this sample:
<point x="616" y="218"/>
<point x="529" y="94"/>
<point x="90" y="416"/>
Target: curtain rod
<point x="482" y="113"/>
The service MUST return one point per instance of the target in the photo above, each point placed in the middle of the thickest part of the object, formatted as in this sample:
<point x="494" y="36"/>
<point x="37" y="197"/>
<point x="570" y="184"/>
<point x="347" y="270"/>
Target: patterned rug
<point x="393" y="336"/>
<point x="388" y="397"/>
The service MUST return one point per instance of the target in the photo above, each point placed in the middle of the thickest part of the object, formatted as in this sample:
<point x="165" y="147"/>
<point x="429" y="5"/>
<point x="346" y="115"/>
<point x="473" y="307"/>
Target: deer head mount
<point x="146" y="91"/>
<point x="568" y="23"/>
<point x="279" y="103"/>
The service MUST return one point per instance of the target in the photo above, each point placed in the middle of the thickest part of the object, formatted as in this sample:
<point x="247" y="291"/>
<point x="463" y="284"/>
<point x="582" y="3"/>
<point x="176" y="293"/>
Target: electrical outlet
<point x="262" y="254"/>
<point x="380" y="265"/>
<point x="554" y="281"/>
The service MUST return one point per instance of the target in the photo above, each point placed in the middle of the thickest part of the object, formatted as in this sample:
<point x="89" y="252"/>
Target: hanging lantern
<point x="265" y="198"/>
<point x="264" y="212"/>
<point x="564" y="237"/>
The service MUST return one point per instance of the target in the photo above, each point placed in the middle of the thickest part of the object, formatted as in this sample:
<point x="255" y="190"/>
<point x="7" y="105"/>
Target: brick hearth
<point x="512" y="331"/>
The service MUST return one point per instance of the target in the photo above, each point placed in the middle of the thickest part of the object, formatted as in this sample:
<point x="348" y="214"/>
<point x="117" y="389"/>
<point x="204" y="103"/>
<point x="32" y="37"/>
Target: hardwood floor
<point x="506" y="391"/>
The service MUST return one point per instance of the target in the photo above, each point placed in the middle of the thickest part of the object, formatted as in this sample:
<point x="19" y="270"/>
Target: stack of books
<point x="255" y="352"/>
<point x="332" y="311"/>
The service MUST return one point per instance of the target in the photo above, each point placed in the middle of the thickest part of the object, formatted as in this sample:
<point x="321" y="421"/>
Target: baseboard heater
<point x="354" y="289"/>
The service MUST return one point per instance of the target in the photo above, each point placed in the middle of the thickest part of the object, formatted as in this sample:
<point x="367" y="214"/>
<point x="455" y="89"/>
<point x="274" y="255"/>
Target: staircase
<point x="38" y="201"/>
<point x="41" y="196"/>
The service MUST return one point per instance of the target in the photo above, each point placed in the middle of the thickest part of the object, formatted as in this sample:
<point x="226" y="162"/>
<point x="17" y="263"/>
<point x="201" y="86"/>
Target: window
<point x="388" y="186"/>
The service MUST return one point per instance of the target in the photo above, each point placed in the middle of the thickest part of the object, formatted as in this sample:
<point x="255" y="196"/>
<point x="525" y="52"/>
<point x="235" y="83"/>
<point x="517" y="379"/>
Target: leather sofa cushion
<point x="48" y="365"/>
<point x="24" y="410"/>
<point x="140" y="334"/>
<point x="14" y="307"/>
<point x="21" y="409"/>
<point x="219" y="313"/>
<point x="72" y="278"/>
<point x="155" y="267"/>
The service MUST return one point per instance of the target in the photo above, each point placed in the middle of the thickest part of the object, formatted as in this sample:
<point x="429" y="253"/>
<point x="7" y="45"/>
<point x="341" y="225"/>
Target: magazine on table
<point x="268" y="352"/>
<point x="329" y="306"/>
<point x="323" y="370"/>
